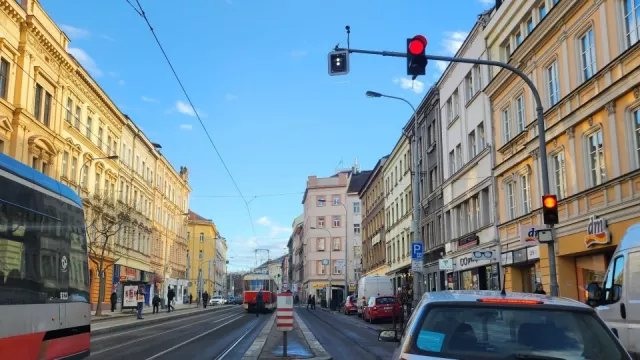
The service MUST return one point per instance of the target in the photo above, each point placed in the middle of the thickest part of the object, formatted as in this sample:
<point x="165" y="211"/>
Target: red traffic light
<point x="550" y="201"/>
<point x="417" y="45"/>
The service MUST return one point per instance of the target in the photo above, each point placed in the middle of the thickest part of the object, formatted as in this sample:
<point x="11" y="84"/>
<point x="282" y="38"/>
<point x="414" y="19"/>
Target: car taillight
<point x="511" y="301"/>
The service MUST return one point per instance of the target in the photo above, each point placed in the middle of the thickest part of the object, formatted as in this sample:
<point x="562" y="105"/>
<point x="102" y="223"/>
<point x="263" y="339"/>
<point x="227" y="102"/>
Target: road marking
<point x="156" y="334"/>
<point x="194" y="338"/>
<point x="221" y="356"/>
<point x="204" y="313"/>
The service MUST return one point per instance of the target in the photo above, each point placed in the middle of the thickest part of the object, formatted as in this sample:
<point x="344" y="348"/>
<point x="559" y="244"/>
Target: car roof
<point x="474" y="295"/>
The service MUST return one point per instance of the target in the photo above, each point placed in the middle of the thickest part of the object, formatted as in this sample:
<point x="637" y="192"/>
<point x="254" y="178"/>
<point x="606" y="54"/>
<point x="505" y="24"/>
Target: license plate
<point x="388" y="308"/>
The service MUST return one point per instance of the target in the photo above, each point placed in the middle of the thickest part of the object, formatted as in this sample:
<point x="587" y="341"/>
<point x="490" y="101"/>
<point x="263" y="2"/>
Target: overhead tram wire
<point x="143" y="15"/>
<point x="248" y="196"/>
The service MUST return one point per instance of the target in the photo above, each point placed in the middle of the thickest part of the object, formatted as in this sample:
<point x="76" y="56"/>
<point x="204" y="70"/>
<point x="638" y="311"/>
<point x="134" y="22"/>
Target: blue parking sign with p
<point x="417" y="250"/>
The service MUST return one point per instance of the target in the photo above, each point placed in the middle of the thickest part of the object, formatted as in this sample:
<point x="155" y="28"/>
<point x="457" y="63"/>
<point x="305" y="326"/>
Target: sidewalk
<point x="108" y="315"/>
<point x="118" y="323"/>
<point x="301" y="343"/>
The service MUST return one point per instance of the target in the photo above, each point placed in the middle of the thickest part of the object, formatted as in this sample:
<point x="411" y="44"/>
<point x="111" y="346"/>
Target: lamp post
<point x="166" y="255"/>
<point x="111" y="157"/>
<point x="329" y="295"/>
<point x="415" y="223"/>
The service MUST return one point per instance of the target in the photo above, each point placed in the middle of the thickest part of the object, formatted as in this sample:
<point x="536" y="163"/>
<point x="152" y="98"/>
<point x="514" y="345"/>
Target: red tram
<point x="252" y="283"/>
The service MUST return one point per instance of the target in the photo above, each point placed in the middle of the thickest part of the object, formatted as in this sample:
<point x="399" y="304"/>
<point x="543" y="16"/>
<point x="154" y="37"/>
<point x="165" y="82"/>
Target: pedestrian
<point x="259" y="302"/>
<point x="190" y="298"/>
<point x="539" y="289"/>
<point x="140" y="299"/>
<point x="205" y="299"/>
<point x="156" y="304"/>
<point x="313" y="302"/>
<point x="309" y="303"/>
<point x="170" y="296"/>
<point x="114" y="301"/>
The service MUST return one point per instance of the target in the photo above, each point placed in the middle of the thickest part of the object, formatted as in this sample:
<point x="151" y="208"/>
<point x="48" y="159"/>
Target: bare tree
<point x="106" y="221"/>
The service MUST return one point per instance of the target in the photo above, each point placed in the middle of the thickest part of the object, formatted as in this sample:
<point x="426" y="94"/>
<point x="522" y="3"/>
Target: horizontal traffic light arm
<point x="536" y="95"/>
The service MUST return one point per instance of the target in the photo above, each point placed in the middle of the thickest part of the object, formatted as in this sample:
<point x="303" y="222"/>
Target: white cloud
<point x="121" y="82"/>
<point x="453" y="40"/>
<point x="486" y="2"/>
<point x="441" y="65"/>
<point x="230" y="97"/>
<point x="186" y="127"/>
<point x="187" y="109"/>
<point x="299" y="53"/>
<point x="274" y="230"/>
<point x="86" y="61"/>
<point x="416" y="86"/>
<point x="264" y="221"/>
<point x="107" y="37"/>
<point x="74" y="32"/>
<point x="149" y="99"/>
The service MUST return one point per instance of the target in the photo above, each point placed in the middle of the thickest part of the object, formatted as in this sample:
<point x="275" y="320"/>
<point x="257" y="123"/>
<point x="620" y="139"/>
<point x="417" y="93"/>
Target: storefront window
<point x="528" y="279"/>
<point x="590" y="269"/>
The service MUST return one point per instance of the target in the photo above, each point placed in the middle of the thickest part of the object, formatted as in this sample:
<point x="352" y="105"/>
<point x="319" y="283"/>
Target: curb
<point x="136" y="324"/>
<point x="319" y="351"/>
<point x="114" y="318"/>
<point x="256" y="348"/>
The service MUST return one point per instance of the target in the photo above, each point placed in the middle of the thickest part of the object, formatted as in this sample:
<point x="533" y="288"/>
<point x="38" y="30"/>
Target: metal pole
<point x="544" y="170"/>
<point x="164" y="269"/>
<point x="284" y="344"/>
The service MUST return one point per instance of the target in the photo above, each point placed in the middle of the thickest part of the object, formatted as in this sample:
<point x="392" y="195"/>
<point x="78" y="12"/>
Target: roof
<point x="358" y="180"/>
<point x="374" y="172"/>
<point x="19" y="169"/>
<point x="474" y="295"/>
<point x="195" y="217"/>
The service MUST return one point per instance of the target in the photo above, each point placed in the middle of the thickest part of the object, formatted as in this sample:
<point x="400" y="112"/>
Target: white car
<point x="217" y="300"/>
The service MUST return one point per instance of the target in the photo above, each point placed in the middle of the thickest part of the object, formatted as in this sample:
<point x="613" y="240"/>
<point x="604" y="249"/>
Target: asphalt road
<point x="223" y="334"/>
<point x="344" y="338"/>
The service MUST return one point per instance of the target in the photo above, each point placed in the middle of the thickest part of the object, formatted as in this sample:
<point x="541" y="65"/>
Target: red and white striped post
<point x="284" y="317"/>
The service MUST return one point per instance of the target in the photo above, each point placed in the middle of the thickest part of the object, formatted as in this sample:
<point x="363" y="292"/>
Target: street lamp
<point x="346" y="246"/>
<point x="329" y="295"/>
<point x="417" y="283"/>
<point x="166" y="245"/>
<point x="111" y="157"/>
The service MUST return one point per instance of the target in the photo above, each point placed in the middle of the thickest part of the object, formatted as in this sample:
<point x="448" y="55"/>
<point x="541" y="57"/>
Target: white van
<point x="618" y="300"/>
<point x="373" y="285"/>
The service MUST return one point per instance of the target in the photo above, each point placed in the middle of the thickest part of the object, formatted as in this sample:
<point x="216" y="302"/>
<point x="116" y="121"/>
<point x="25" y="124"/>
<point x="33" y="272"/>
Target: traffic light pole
<point x="541" y="129"/>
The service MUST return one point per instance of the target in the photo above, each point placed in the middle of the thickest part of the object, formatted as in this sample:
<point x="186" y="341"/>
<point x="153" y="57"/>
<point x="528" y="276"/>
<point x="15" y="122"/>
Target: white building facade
<point x="468" y="189"/>
<point x="398" y="213"/>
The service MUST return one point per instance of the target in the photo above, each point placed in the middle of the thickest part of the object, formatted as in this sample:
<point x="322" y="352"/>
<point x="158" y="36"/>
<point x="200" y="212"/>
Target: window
<point x="520" y="118"/>
<point x="96" y="186"/>
<point x="109" y="149"/>
<point x="47" y="108"/>
<point x="37" y="107"/>
<point x="77" y="117"/>
<point x="322" y="269"/>
<point x="432" y="134"/>
<point x="526" y="194"/>
<point x="337" y="267"/>
<point x="477" y="78"/>
<point x="472" y="144"/>
<point x="459" y="160"/>
<point x="542" y="11"/>
<point x="518" y="38"/>
<point x="336" y="221"/>
<point x="631" y="22"/>
<point x="468" y="81"/>
<point x="588" y="55"/>
<point x="511" y="201"/>
<point x="559" y="175"/>
<point x="4" y="78"/>
<point x="356" y="207"/>
<point x="336" y="244"/>
<point x="68" y="114"/>
<point x="452" y="162"/>
<point x="88" y="132"/>
<point x="356" y="229"/>
<point x="201" y="237"/>
<point x="85" y="176"/>
<point x="615" y="276"/>
<point x="320" y="244"/>
<point x="200" y="255"/>
<point x="506" y="126"/>
<point x="480" y="137"/>
<point x="113" y="192"/>
<point x="320" y="201"/>
<point x="100" y="138"/>
<point x="553" y="87"/>
<point x="320" y="222"/>
<point x="65" y="163"/>
<point x="74" y="166"/>
<point x="596" y="158"/>
<point x="449" y="107"/>
<point x="529" y="25"/>
<point x="507" y="51"/>
<point x="433" y="178"/>
<point x="336" y="199"/>
<point x="456" y="104"/>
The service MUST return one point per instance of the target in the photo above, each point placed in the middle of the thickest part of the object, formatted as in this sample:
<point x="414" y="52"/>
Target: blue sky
<point x="256" y="71"/>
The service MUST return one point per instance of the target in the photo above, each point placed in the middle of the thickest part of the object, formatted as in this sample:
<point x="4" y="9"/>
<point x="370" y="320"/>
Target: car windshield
<point x="385" y="300"/>
<point x="481" y="332"/>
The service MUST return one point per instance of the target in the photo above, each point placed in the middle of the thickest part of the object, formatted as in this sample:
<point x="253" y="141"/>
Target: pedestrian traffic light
<point x="339" y="62"/>
<point x="550" y="209"/>
<point x="416" y="60"/>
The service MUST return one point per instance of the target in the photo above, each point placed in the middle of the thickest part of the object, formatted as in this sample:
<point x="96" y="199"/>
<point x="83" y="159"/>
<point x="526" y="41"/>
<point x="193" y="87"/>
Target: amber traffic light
<point x="550" y="209"/>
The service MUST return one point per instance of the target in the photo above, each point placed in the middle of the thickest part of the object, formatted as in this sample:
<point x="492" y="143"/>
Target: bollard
<point x="284" y="344"/>
<point x="284" y="317"/>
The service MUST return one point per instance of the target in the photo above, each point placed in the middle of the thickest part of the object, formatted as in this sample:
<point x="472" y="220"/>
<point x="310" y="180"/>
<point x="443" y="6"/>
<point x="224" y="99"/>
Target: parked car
<point x="351" y="305"/>
<point x="217" y="300"/>
<point x="493" y="325"/>
<point x="381" y="308"/>
<point x="237" y="300"/>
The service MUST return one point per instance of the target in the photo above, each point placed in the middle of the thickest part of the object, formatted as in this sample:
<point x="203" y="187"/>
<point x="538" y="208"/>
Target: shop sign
<point x="465" y="262"/>
<point x="468" y="242"/>
<point x="507" y="258"/>
<point x="529" y="234"/>
<point x="445" y="264"/>
<point x="131" y="274"/>
<point x="320" y="285"/>
<point x="533" y="253"/>
<point x="597" y="232"/>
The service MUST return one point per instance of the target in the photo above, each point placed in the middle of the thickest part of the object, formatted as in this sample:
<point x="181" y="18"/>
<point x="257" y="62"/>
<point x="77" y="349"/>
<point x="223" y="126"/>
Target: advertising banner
<point x="129" y="297"/>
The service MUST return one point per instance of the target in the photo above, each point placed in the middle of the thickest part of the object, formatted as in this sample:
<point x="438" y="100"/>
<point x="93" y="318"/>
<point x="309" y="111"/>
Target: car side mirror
<point x="594" y="293"/>
<point x="388" y="336"/>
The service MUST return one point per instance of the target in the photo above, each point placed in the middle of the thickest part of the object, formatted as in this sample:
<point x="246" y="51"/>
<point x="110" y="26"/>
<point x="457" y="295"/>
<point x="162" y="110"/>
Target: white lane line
<point x="195" y="338"/>
<point x="152" y="326"/>
<point x="156" y="334"/>
<point x="221" y="356"/>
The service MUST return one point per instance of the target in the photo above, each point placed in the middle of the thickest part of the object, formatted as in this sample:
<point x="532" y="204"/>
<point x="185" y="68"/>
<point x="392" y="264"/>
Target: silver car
<point x="490" y="325"/>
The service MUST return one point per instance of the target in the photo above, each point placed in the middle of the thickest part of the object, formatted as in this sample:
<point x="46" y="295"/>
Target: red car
<point x="350" y="306"/>
<point x="381" y="307"/>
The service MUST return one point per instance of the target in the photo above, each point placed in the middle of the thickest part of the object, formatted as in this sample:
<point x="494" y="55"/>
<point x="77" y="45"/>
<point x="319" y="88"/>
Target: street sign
<point x="326" y="262"/>
<point x="284" y="312"/>
<point x="417" y="250"/>
<point x="416" y="266"/>
<point x="445" y="264"/>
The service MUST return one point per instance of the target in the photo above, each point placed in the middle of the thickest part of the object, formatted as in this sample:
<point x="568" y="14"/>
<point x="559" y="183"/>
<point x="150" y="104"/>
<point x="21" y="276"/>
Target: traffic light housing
<point x="338" y="63"/>
<point x="550" y="209"/>
<point x="416" y="60"/>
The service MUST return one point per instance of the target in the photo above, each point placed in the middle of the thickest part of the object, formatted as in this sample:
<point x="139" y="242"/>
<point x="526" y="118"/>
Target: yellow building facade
<point x="55" y="118"/>
<point x="202" y="236"/>
<point x="585" y="63"/>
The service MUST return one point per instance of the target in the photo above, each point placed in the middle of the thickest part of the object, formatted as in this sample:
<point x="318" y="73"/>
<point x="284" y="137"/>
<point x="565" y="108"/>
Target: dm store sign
<point x="597" y="232"/>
